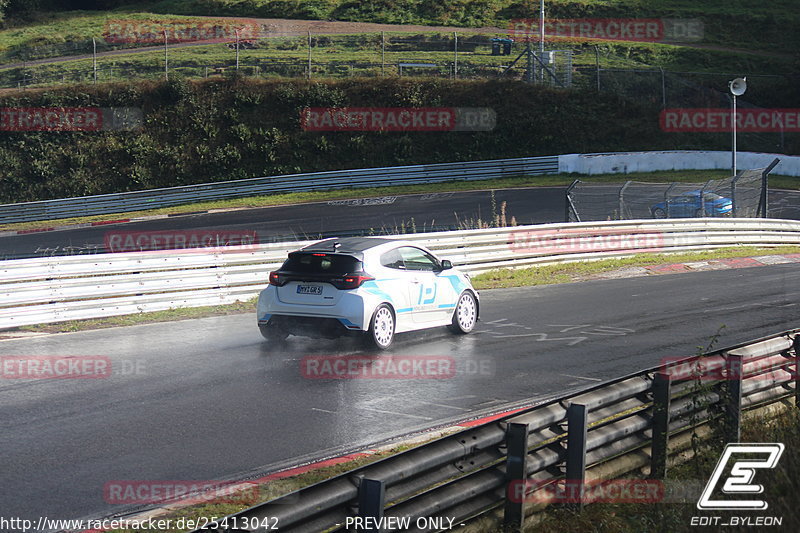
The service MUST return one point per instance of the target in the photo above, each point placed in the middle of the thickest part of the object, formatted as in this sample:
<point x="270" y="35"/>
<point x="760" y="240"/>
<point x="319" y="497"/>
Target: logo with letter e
<point x="751" y="457"/>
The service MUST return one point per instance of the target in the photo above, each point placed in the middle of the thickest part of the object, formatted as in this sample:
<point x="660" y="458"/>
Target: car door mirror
<point x="446" y="264"/>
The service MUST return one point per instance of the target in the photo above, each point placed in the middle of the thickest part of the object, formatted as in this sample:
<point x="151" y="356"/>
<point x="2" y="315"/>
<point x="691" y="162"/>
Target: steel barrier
<point x="515" y="465"/>
<point x="339" y="179"/>
<point x="55" y="289"/>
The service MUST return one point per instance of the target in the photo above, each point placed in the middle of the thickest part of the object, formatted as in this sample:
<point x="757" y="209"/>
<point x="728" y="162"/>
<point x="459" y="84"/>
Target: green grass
<point x="568" y="272"/>
<point x="347" y="56"/>
<point x="183" y="313"/>
<point x="555" y="180"/>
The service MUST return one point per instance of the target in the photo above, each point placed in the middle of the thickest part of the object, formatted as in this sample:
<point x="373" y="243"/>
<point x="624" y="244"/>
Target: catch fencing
<point x="744" y="195"/>
<point x="511" y="467"/>
<point x="56" y="289"/>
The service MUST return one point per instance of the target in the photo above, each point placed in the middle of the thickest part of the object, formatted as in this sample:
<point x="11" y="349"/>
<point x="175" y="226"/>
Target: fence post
<point x="516" y="476"/>
<point x="733" y="195"/>
<point x="796" y="347"/>
<point x="166" y="67"/>
<point x="383" y="53"/>
<point x="597" y="66"/>
<point x="733" y="397"/>
<point x="371" y="498"/>
<point x="576" y="455"/>
<point x="568" y="206"/>
<point x="309" y="55"/>
<point x="94" y="58"/>
<point x="764" y="201"/>
<point x="621" y="214"/>
<point x="662" y="395"/>
<point x="455" y="55"/>
<point x="236" y="32"/>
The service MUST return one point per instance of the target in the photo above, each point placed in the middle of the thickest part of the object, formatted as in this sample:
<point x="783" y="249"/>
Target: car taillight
<point x="275" y="278"/>
<point x="353" y="281"/>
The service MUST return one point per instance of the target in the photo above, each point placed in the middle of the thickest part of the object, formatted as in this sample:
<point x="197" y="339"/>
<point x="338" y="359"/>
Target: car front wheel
<point x="466" y="314"/>
<point x="381" y="328"/>
<point x="659" y="213"/>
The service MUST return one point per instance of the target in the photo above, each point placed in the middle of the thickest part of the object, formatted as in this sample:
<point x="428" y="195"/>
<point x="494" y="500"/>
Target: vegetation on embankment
<point x="231" y="128"/>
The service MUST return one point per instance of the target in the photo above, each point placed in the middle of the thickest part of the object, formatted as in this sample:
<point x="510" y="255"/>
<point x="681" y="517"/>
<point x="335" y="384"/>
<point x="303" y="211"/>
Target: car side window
<point x="416" y="259"/>
<point x="392" y="259"/>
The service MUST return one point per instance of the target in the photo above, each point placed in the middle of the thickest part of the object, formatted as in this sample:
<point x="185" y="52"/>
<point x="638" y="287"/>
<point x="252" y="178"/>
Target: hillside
<point x="225" y="129"/>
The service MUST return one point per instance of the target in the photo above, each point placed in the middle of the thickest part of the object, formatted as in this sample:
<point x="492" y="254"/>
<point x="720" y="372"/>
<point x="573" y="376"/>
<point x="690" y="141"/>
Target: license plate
<point x="309" y="289"/>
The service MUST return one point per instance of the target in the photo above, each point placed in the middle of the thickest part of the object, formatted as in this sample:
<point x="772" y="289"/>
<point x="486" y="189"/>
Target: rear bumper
<point x="348" y="311"/>
<point x="310" y="326"/>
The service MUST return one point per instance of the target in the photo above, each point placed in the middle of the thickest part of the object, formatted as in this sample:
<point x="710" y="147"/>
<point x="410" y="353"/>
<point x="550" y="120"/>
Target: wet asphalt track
<point x="388" y="214"/>
<point x="208" y="400"/>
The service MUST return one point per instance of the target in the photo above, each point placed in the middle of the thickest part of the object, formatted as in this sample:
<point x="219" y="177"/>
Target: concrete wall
<point x="627" y="162"/>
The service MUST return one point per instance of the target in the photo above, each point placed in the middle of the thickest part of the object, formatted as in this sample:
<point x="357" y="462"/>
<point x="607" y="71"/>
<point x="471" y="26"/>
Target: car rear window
<point x="321" y="263"/>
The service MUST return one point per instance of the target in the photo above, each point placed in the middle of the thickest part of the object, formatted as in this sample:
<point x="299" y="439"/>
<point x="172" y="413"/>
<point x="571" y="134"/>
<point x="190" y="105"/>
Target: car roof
<point x="347" y="245"/>
<point x="359" y="246"/>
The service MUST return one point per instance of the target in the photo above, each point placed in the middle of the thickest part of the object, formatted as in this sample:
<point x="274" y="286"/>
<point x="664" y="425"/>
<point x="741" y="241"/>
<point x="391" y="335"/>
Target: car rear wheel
<point x="466" y="314"/>
<point x="659" y="213"/>
<point x="381" y="328"/>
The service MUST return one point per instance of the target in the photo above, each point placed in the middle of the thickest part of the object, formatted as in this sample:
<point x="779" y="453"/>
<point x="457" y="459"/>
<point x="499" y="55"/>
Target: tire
<point x="659" y="213"/>
<point x="699" y="213"/>
<point x="381" y="327"/>
<point x="273" y="334"/>
<point x="466" y="314"/>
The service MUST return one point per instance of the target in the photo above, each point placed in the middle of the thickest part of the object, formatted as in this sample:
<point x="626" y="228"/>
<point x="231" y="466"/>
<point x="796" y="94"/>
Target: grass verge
<point x="553" y="180"/>
<point x="568" y="272"/>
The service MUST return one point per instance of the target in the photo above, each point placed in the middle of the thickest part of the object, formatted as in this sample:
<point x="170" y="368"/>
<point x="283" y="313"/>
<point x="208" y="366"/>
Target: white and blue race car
<point x="366" y="285"/>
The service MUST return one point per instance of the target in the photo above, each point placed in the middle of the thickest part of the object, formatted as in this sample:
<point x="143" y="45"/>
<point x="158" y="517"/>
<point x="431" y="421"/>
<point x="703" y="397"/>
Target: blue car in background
<point x="692" y="204"/>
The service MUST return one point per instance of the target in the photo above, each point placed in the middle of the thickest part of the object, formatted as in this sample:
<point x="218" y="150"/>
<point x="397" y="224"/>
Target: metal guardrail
<point x="55" y="289"/>
<point x="339" y="179"/>
<point x="631" y="423"/>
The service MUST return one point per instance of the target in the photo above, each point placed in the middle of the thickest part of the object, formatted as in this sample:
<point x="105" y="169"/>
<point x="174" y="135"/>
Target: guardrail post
<point x="796" y="376"/>
<point x="576" y="454"/>
<point x="662" y="395"/>
<point x="371" y="499"/>
<point x="733" y="397"/>
<point x="516" y="475"/>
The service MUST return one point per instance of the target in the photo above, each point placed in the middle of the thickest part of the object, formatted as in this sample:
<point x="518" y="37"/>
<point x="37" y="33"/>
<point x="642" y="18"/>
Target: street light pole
<point x="733" y="140"/>
<point x="737" y="87"/>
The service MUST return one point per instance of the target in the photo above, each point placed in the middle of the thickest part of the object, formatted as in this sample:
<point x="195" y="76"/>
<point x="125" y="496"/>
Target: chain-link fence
<point x="455" y="56"/>
<point x="740" y="196"/>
